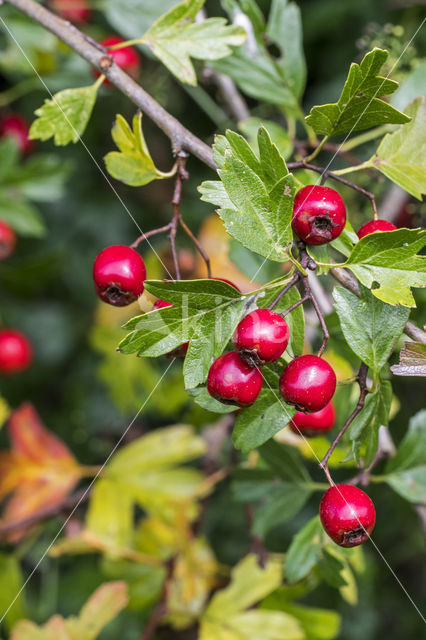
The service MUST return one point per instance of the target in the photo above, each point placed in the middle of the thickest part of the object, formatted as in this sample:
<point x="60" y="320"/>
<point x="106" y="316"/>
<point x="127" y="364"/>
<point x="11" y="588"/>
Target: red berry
<point x="232" y="381"/>
<point x="347" y="514"/>
<point x="308" y="382"/>
<point x="179" y="352"/>
<point x="77" y="11"/>
<point x="16" y="127"/>
<point x="375" y="225"/>
<point x="119" y="274"/>
<point x="7" y="240"/>
<point x="262" y="336"/>
<point x="319" y="214"/>
<point x="16" y="353"/>
<point x="314" y="424"/>
<point x="126" y="58"/>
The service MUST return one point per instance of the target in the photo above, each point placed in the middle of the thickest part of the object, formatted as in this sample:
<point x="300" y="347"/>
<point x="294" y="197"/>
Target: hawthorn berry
<point x="375" y="225"/>
<point x="232" y="381"/>
<point x="262" y="336"/>
<point x="119" y="274"/>
<point x="347" y="515"/>
<point x="17" y="127"/>
<point x="308" y="382"/>
<point x="16" y="353"/>
<point x="314" y="424"/>
<point x="126" y="58"/>
<point x="7" y="240"/>
<point x="77" y="11"/>
<point x="319" y="214"/>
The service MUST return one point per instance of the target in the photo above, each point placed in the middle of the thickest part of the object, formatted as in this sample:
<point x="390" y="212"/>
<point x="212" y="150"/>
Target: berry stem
<point x="336" y="176"/>
<point x="295" y="279"/>
<point x="294" y="306"/>
<point x="148" y="234"/>
<point x="362" y="381"/>
<point x="317" y="150"/>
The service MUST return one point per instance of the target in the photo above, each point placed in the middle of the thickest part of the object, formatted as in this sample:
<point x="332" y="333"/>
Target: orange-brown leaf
<point x="38" y="472"/>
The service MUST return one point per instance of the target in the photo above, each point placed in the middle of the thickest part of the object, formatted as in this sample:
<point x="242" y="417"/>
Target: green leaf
<point x="412" y="86"/>
<point x="389" y="259"/>
<point x="399" y="156"/>
<point x="285" y="30"/>
<point x="205" y="400"/>
<point x="199" y="295"/>
<point x="174" y="39"/>
<point x="41" y="178"/>
<point x="278" y="134"/>
<point x="227" y="618"/>
<point x="295" y="319"/>
<point x="133" y="165"/>
<point x="249" y="485"/>
<point x="283" y="502"/>
<point x="285" y="461"/>
<point x="258" y="423"/>
<point x="412" y="360"/>
<point x="102" y="607"/>
<point x="364" y="429"/>
<point x="255" y="196"/>
<point x="371" y="327"/>
<point x="330" y="568"/>
<point x="410" y="484"/>
<point x="318" y="624"/>
<point x="145" y="473"/>
<point x="21" y="215"/>
<point x="127" y="17"/>
<point x="11" y="583"/>
<point x="110" y="514"/>
<point x="302" y="554"/>
<point x="412" y="450"/>
<point x="65" y="116"/>
<point x="359" y="106"/>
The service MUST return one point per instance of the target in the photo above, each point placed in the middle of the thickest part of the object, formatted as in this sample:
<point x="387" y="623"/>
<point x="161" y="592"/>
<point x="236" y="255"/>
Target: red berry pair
<point x="235" y="378"/>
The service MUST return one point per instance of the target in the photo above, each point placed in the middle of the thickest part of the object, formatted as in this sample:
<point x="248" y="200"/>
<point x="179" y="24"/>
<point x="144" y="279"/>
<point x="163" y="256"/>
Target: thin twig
<point x="181" y="175"/>
<point x="180" y="137"/>
<point x="197" y="244"/>
<point x="149" y="234"/>
<point x="294" y="306"/>
<point x="312" y="167"/>
<point x="362" y="381"/>
<point x="295" y="279"/>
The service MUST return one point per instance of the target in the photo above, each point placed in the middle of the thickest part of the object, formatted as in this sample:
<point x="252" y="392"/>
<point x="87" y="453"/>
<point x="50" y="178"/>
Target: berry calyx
<point x="16" y="127"/>
<point x="16" y="353"/>
<point x="314" y="424"/>
<point x="375" y="225"/>
<point x="119" y="274"/>
<point x="319" y="214"/>
<point x="347" y="515"/>
<point x="7" y="240"/>
<point x="262" y="336"/>
<point x="232" y="381"/>
<point x="127" y="58"/>
<point x="308" y="382"/>
<point x="77" y="11"/>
